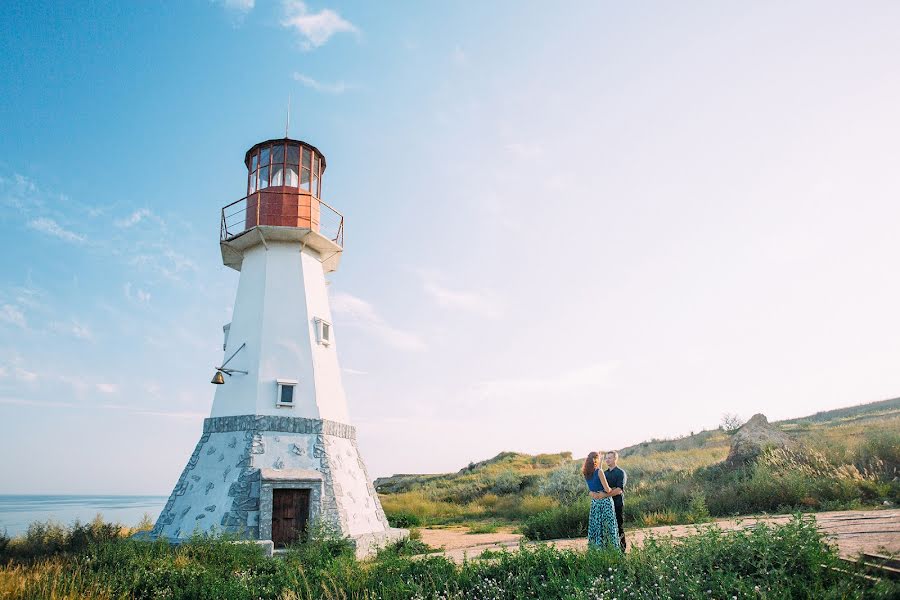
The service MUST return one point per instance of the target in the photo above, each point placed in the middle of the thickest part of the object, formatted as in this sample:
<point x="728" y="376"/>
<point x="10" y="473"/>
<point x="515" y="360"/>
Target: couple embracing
<point x="605" y="524"/>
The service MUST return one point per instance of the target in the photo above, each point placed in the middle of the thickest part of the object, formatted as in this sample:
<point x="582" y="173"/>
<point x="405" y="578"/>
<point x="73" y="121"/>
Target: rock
<point x="753" y="438"/>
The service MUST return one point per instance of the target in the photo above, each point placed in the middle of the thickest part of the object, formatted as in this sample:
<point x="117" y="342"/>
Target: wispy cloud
<point x="168" y="263"/>
<point x="73" y="328"/>
<point x="51" y="227"/>
<point x="478" y="302"/>
<point x="236" y="9"/>
<point x="137" y="216"/>
<point x="136" y="294"/>
<point x="108" y="388"/>
<point x="357" y="311"/>
<point x="354" y="371"/>
<point x="314" y="28"/>
<point x="19" y="192"/>
<point x="12" y="315"/>
<point x="338" y="87"/>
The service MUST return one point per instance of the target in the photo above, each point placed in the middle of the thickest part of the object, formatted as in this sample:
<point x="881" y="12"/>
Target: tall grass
<point x="788" y="561"/>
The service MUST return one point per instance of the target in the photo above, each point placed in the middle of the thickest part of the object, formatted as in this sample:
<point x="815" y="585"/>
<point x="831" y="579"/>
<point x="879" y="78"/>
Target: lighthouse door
<point x="290" y="513"/>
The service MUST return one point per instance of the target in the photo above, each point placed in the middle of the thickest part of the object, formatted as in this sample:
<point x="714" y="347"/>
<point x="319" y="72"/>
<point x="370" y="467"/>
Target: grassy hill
<point x="842" y="458"/>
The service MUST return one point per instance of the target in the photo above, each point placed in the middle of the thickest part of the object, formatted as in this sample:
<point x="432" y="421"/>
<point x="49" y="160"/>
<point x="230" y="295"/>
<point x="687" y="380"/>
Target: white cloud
<point x="180" y="262"/>
<point x="25" y="375"/>
<point x="11" y="314"/>
<point x="136" y="217"/>
<point x="358" y="312"/>
<point x="477" y="302"/>
<point x="314" y="28"/>
<point x="136" y="294"/>
<point x="354" y="371"/>
<point x="51" y="227"/>
<point x="237" y="9"/>
<point x="338" y="87"/>
<point x="73" y="328"/>
<point x="108" y="388"/>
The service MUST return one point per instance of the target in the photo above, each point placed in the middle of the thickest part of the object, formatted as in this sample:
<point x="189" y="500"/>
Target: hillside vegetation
<point x="845" y="458"/>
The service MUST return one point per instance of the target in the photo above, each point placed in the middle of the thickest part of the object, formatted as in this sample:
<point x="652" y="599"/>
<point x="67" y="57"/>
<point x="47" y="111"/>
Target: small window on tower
<point x="285" y="396"/>
<point x="323" y="332"/>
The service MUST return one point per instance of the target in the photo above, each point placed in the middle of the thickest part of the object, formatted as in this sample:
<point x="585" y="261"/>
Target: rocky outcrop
<point x="753" y="438"/>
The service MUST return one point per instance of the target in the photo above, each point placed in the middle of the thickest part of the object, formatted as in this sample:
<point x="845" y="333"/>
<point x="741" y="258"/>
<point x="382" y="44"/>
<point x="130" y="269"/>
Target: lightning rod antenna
<point x="287" y="122"/>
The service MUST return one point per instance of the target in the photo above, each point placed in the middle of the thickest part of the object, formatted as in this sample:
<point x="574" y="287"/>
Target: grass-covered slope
<point x="842" y="458"/>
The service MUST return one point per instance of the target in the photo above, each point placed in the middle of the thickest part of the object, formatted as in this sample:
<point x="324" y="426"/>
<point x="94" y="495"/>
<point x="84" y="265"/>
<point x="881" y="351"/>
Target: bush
<point x="566" y="521"/>
<point x="565" y="485"/>
<point x="404" y="547"/>
<point x="403" y="519"/>
<point x="697" y="510"/>
<point x="49" y="538"/>
<point x="508" y="482"/>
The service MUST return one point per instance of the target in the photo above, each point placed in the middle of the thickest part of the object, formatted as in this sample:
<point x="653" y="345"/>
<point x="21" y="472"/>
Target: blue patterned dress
<point x="603" y="531"/>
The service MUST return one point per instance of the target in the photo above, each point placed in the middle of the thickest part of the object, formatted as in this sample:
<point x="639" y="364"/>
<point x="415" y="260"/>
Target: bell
<point x="218" y="378"/>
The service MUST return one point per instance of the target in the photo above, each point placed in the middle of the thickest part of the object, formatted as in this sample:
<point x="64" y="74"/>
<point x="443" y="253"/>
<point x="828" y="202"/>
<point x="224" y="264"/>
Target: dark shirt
<point x="617" y="478"/>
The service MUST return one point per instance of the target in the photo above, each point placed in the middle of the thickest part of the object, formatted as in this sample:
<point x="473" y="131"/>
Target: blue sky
<point x="565" y="230"/>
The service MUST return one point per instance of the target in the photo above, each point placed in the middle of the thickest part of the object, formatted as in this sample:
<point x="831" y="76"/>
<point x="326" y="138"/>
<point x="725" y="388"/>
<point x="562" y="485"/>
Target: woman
<point x="602" y="529"/>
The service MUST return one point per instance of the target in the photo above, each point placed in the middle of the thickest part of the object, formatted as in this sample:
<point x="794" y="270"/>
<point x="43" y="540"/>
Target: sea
<point x="16" y="512"/>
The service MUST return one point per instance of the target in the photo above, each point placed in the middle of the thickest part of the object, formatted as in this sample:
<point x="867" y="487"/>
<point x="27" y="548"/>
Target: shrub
<point x="403" y="519"/>
<point x="565" y="521"/>
<point x="49" y="538"/>
<point x="404" y="547"/>
<point x="658" y="517"/>
<point x="508" y="482"/>
<point x="697" y="510"/>
<point x="565" y="485"/>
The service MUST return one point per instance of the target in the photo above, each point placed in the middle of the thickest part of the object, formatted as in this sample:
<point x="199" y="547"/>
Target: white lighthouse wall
<point x="280" y="294"/>
<point x="327" y="372"/>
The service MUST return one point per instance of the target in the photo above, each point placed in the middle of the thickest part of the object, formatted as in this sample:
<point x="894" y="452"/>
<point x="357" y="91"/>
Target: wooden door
<point x="290" y="512"/>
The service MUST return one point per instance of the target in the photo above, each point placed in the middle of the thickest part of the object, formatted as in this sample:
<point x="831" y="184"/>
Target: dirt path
<point x="853" y="531"/>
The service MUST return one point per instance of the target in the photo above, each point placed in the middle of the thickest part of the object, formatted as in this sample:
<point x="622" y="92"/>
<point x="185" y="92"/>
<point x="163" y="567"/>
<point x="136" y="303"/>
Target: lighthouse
<point x="278" y="452"/>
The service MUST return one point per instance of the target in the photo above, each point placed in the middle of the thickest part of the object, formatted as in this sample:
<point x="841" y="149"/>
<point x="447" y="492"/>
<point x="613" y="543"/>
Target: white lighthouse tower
<point x="278" y="450"/>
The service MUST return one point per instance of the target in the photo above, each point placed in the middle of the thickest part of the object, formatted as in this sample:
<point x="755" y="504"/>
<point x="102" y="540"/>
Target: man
<point x="617" y="478"/>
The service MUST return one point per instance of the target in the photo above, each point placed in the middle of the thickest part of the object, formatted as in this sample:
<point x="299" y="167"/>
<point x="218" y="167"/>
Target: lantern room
<point x="284" y="190"/>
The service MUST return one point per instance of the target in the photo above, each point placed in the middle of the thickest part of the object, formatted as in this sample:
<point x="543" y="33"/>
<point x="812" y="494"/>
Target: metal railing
<point x="281" y="208"/>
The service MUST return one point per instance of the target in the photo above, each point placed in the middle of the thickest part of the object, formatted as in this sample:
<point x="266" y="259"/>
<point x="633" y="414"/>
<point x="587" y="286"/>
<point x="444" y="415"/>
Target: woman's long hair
<point x="588" y="468"/>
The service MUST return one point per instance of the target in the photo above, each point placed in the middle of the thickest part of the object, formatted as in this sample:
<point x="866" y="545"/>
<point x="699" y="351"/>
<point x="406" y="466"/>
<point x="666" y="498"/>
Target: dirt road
<point x="853" y="531"/>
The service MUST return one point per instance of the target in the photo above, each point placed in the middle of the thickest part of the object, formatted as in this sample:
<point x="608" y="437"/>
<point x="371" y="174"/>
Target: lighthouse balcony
<point x="281" y="214"/>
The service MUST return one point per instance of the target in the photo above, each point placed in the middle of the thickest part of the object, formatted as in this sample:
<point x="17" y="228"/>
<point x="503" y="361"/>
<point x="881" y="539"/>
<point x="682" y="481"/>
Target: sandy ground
<point x="853" y="531"/>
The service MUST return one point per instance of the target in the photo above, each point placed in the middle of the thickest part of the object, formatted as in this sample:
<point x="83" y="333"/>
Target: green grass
<point x="774" y="562"/>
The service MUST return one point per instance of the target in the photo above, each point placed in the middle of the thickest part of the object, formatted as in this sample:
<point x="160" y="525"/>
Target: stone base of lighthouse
<point x="242" y="462"/>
